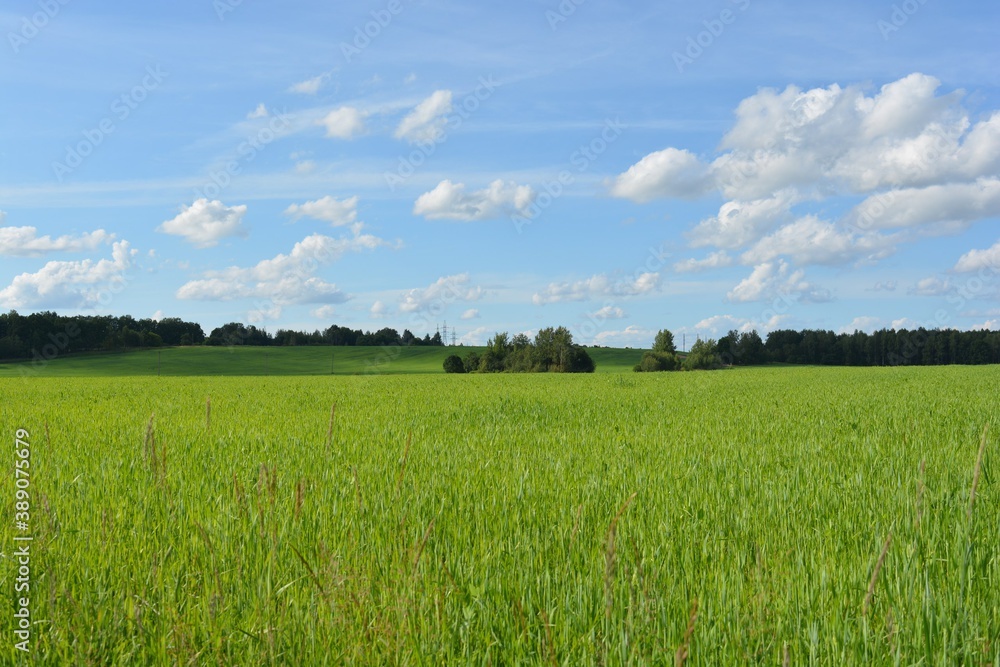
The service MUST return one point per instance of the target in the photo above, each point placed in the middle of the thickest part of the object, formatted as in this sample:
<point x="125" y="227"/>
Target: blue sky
<point x="613" y="167"/>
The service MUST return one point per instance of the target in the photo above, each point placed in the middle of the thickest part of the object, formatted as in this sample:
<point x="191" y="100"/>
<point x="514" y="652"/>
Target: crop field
<point x="773" y="516"/>
<point x="257" y="361"/>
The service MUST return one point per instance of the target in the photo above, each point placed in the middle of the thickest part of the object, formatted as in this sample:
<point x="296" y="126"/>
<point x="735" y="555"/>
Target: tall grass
<point x="699" y="519"/>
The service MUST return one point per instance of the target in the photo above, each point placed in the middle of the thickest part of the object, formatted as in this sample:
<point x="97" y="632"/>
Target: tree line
<point x="46" y="334"/>
<point x="885" y="347"/>
<point x="552" y="351"/>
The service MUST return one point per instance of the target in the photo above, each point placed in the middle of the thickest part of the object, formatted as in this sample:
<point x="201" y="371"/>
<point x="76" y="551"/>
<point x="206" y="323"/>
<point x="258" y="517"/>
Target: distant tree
<point x="471" y="362"/>
<point x="453" y="364"/>
<point x="702" y="357"/>
<point x="657" y="361"/>
<point x="664" y="342"/>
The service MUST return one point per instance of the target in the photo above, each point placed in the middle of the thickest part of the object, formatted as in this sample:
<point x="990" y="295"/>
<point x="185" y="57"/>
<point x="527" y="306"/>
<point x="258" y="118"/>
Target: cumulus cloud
<point x="740" y="223"/>
<point x="378" y="310"/>
<point x="609" y="313"/>
<point x="451" y="201"/>
<point x="810" y="240"/>
<point x="932" y="287"/>
<point x="204" y="223"/>
<point x="666" y="173"/>
<point x="338" y="212"/>
<point x="79" y="284"/>
<point x="773" y="279"/>
<point x="921" y="164"/>
<point x="427" y="121"/>
<point x="630" y="336"/>
<point x="471" y="314"/>
<point x="977" y="260"/>
<point x="722" y="324"/>
<point x="324" y="312"/>
<point x="864" y="323"/>
<point x="285" y="279"/>
<point x="598" y="286"/>
<point x="344" y="123"/>
<point x="440" y="293"/>
<point x="25" y="241"/>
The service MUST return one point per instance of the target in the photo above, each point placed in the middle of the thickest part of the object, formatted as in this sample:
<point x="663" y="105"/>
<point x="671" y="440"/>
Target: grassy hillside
<point x="194" y="361"/>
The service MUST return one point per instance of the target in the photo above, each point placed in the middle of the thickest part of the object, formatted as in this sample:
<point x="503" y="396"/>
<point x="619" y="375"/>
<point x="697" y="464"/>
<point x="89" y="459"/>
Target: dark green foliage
<point x="471" y="362"/>
<point x="553" y="351"/>
<point x="453" y="364"/>
<point x="664" y="342"/>
<point x="702" y="357"/>
<point x="657" y="361"/>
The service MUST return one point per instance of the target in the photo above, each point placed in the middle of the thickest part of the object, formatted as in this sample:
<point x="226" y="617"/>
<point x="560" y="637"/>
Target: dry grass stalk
<point x="684" y="650"/>
<point x="978" y="470"/>
<point x="329" y="431"/>
<point x="787" y="659"/>
<point x="299" y="495"/>
<point x="875" y="572"/>
<point x="549" y="644"/>
<point x="609" y="558"/>
<point x="423" y="542"/>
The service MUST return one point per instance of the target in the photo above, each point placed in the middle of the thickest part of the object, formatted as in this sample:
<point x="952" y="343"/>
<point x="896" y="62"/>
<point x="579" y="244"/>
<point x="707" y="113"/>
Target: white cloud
<point x="427" y="121"/>
<point x="775" y="279"/>
<point x="608" y="313"/>
<point x="864" y="323"/>
<point x="285" y="279"/>
<point x="450" y="201"/>
<point x="931" y="287"/>
<point x="471" y="314"/>
<point x="71" y="284"/>
<point x="740" y="224"/>
<point x="25" y="241"/>
<point x="378" y="310"/>
<point x="204" y="223"/>
<point x="597" y="286"/>
<point x="338" y="212"/>
<point x="905" y="323"/>
<point x="666" y="173"/>
<point x="309" y="86"/>
<point x="631" y="336"/>
<point x="324" y="312"/>
<point x="989" y="325"/>
<point x="157" y="316"/>
<point x="810" y="240"/>
<point x="715" y="260"/>
<point x="922" y="163"/>
<point x="477" y="336"/>
<point x="305" y="167"/>
<point x="977" y="260"/>
<point x="887" y="286"/>
<point x="259" y="112"/>
<point x="949" y="207"/>
<point x="440" y="293"/>
<point x="723" y="324"/>
<point x="344" y="123"/>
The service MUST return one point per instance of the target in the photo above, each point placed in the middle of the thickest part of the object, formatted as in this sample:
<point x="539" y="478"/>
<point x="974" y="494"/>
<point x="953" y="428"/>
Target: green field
<point x="240" y="360"/>
<point x="509" y="519"/>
